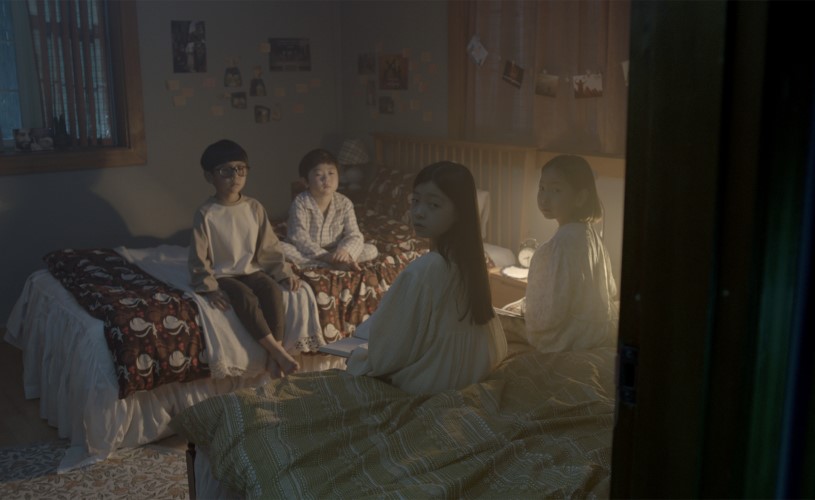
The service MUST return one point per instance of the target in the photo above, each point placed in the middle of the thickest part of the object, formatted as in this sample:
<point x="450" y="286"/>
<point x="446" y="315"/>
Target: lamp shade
<point x="352" y="152"/>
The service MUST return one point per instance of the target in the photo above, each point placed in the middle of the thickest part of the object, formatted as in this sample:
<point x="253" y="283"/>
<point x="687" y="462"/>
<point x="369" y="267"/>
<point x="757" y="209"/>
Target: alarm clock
<point x="526" y="251"/>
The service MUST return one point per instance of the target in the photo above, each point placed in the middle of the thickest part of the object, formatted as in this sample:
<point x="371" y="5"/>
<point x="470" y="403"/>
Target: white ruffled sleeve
<point x="397" y="331"/>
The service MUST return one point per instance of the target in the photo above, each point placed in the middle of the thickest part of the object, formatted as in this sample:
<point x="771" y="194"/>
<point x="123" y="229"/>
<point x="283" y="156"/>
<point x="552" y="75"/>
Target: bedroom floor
<point x="20" y="421"/>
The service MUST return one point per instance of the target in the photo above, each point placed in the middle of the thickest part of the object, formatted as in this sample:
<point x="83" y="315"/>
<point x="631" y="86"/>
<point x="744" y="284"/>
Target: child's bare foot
<point x="280" y="363"/>
<point x="283" y="363"/>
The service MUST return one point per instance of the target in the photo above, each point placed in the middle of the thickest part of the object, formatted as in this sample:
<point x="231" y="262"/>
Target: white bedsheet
<point x="68" y="366"/>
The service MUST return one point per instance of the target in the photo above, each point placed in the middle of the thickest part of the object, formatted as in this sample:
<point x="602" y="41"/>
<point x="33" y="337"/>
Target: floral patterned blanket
<point x="346" y="298"/>
<point x="151" y="328"/>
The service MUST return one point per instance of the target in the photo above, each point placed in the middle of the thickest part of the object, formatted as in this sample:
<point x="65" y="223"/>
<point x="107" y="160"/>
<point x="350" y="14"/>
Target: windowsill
<point x="24" y="162"/>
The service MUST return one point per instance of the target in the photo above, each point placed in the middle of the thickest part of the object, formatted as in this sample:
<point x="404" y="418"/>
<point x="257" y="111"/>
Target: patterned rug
<point x="146" y="472"/>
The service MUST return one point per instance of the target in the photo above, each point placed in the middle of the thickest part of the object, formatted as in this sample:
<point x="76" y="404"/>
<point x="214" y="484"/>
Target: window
<point x="117" y="144"/>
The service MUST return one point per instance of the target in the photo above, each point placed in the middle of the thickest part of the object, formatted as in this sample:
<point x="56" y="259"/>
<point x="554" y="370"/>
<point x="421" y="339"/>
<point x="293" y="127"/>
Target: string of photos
<point x="584" y="85"/>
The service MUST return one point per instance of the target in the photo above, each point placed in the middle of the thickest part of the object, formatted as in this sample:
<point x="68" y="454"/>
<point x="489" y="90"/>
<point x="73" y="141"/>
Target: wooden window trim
<point x="131" y="146"/>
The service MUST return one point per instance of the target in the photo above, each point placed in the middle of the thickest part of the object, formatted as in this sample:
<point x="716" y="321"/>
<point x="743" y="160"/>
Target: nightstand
<point x="505" y="289"/>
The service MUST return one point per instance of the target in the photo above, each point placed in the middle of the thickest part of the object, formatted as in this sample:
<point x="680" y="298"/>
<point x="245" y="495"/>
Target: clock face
<point x="525" y="256"/>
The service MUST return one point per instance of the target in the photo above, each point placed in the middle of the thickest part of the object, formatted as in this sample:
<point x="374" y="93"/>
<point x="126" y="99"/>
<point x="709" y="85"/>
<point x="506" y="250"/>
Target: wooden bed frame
<point x="503" y="171"/>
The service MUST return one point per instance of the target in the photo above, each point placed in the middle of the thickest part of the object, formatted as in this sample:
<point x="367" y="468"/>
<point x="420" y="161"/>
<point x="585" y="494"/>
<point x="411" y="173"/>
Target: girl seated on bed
<point x="435" y="328"/>
<point x="569" y="303"/>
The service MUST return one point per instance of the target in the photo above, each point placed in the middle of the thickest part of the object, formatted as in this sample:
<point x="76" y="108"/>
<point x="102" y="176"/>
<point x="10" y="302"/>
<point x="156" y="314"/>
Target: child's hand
<point x="345" y="260"/>
<point x="292" y="283"/>
<point x="218" y="299"/>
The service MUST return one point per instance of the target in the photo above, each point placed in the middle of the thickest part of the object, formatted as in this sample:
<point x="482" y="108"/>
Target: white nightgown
<point x="416" y="340"/>
<point x="570" y="292"/>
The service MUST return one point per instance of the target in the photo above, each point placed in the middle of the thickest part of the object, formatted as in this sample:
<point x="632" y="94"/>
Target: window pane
<point x="9" y="97"/>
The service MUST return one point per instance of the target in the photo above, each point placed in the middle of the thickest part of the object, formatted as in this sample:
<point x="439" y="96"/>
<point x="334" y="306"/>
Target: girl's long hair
<point x="578" y="173"/>
<point x="462" y="244"/>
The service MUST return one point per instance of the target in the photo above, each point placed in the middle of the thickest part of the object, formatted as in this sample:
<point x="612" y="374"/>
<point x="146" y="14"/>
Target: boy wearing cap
<point x="235" y="258"/>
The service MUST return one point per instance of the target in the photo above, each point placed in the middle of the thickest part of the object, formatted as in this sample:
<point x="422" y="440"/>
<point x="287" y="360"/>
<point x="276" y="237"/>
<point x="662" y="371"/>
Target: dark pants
<point x="258" y="302"/>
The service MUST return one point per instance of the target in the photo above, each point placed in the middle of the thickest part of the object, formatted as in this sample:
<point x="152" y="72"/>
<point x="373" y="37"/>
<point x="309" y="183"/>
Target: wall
<point x="416" y="29"/>
<point x="153" y="203"/>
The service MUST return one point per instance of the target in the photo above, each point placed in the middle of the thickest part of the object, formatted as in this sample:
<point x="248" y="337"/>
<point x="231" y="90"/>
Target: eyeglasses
<point x="228" y="171"/>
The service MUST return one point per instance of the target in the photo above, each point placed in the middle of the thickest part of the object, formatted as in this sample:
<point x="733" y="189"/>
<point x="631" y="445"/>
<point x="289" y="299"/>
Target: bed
<point x="96" y="404"/>
<point x="539" y="426"/>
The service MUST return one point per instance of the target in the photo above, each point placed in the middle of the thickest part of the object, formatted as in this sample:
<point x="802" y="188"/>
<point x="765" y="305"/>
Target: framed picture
<point x="289" y="54"/>
<point x="189" y="46"/>
<point x="33" y="139"/>
<point x="393" y="72"/>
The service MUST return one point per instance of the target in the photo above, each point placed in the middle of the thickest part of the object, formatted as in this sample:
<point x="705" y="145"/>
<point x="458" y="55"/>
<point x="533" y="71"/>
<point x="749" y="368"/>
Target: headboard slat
<point x="502" y="170"/>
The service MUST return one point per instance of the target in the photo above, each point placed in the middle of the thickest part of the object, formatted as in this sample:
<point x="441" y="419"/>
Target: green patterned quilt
<point x="539" y="426"/>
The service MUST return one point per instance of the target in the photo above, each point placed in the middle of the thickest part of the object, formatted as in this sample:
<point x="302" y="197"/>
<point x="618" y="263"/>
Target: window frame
<point x="131" y="148"/>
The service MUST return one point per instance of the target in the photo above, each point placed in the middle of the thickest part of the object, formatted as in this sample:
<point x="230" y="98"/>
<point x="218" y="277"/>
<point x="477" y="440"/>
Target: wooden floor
<point x="20" y="421"/>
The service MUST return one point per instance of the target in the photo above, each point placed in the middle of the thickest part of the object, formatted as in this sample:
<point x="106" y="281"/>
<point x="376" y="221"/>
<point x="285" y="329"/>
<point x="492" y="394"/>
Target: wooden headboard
<point x="509" y="173"/>
<point x="503" y="171"/>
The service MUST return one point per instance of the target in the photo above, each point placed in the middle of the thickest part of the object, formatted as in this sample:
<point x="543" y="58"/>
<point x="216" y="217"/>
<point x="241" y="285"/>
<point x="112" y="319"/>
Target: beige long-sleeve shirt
<point x="233" y="240"/>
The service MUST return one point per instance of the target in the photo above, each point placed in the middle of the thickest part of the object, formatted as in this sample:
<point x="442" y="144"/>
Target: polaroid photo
<point x="546" y="85"/>
<point x="588" y="85"/>
<point x="477" y="51"/>
<point x="513" y="74"/>
<point x="238" y="100"/>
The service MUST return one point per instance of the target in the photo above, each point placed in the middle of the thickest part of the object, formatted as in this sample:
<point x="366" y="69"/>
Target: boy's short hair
<point x="316" y="157"/>
<point x="222" y="152"/>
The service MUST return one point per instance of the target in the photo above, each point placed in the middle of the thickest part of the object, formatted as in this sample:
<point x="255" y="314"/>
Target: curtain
<point x="69" y="40"/>
<point x="539" y="83"/>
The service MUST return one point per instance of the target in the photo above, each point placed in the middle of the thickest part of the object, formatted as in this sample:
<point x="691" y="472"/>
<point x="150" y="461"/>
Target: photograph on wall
<point x="289" y="54"/>
<point x="513" y="74"/>
<point x="189" y="46"/>
<point x="33" y="139"/>
<point x="546" y="85"/>
<point x="238" y="100"/>
<point x="476" y="50"/>
<point x="262" y="114"/>
<point x="256" y="86"/>
<point x="366" y="64"/>
<point x="588" y="85"/>
<point x="393" y="72"/>
<point x="232" y="77"/>
<point x="386" y="105"/>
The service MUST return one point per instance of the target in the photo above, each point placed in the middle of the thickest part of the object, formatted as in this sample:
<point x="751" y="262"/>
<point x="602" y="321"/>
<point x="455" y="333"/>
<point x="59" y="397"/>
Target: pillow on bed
<point x="389" y="192"/>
